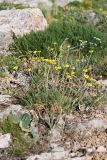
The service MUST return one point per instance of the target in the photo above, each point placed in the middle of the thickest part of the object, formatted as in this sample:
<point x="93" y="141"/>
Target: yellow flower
<point x="99" y="83"/>
<point x="68" y="76"/>
<point x="92" y="79"/>
<point x="35" y="51"/>
<point x="89" y="84"/>
<point x="86" y="76"/>
<point x="91" y="51"/>
<point x="51" y="61"/>
<point x="58" y="68"/>
<point x="72" y="73"/>
<point x="73" y="68"/>
<point x="77" y="60"/>
<point x="50" y="49"/>
<point x="66" y="65"/>
<point x="46" y="60"/>
<point x="15" y="68"/>
<point x="68" y="46"/>
<point x="85" y="70"/>
<point x="67" y="73"/>
<point x="94" y="94"/>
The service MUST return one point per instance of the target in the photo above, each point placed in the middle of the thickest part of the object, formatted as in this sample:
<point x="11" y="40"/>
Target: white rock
<point x="5" y="140"/>
<point x="101" y="149"/>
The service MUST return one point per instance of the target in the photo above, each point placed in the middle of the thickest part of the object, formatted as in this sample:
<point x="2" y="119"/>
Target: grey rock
<point x="86" y="128"/>
<point x="14" y="109"/>
<point x="19" y="22"/>
<point x="5" y="140"/>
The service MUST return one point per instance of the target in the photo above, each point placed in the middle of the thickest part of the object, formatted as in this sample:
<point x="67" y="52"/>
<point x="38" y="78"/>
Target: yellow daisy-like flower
<point x="68" y="76"/>
<point x="58" y="68"/>
<point x="89" y="84"/>
<point x="92" y="79"/>
<point x="67" y="73"/>
<point x="77" y="60"/>
<point x="51" y="61"/>
<point x="94" y="94"/>
<point x="35" y="51"/>
<point x="15" y="68"/>
<point x="68" y="46"/>
<point x="66" y="65"/>
<point x="73" y="68"/>
<point x="85" y="70"/>
<point x="72" y="73"/>
<point x="86" y="76"/>
<point x="99" y="83"/>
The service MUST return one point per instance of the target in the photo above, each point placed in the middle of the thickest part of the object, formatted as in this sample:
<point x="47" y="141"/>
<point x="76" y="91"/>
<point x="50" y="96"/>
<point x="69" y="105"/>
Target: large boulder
<point x="19" y="22"/>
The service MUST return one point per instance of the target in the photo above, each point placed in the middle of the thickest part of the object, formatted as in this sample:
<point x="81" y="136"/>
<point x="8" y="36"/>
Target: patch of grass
<point x="57" y="33"/>
<point x="67" y="82"/>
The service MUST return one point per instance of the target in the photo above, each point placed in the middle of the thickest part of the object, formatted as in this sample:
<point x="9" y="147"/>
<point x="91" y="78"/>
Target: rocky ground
<point x="78" y="136"/>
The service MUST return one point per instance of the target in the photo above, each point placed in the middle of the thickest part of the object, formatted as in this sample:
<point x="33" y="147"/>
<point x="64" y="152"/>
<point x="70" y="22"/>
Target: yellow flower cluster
<point x="50" y="61"/>
<point x="57" y="68"/>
